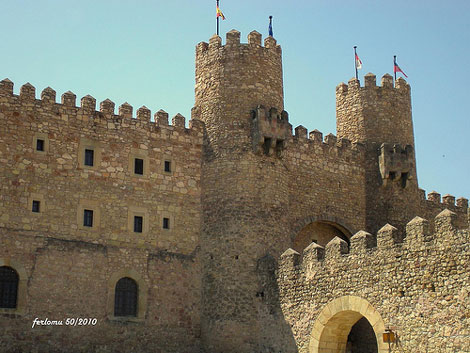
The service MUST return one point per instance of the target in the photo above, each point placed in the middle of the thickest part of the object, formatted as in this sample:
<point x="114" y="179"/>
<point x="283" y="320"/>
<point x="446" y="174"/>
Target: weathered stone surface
<point x="236" y="190"/>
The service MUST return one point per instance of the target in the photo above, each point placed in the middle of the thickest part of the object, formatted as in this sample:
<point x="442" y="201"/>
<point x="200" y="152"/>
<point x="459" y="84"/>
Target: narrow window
<point x="125" y="297"/>
<point x="167" y="166"/>
<point x="8" y="287"/>
<point x="139" y="166"/>
<point x="88" y="218"/>
<point x="89" y="157"/>
<point x="138" y="223"/>
<point x="404" y="179"/>
<point x="39" y="145"/>
<point x="267" y="145"/>
<point x="279" y="147"/>
<point x="36" y="206"/>
<point x="166" y="223"/>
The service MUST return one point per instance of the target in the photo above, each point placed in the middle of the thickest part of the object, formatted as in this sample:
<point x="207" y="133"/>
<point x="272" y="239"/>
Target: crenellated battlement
<point x="370" y="84"/>
<point x="375" y="114"/>
<point x="272" y="133"/>
<point x="434" y="199"/>
<point x="105" y="117"/>
<point x="232" y="43"/>
<point x="329" y="144"/>
<point x="418" y="237"/>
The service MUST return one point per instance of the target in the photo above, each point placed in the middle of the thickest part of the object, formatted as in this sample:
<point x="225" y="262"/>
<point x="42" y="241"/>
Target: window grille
<point x="166" y="223"/>
<point x="8" y="287"/>
<point x="88" y="218"/>
<point x="125" y="297"/>
<point x="138" y="224"/>
<point x="89" y="157"/>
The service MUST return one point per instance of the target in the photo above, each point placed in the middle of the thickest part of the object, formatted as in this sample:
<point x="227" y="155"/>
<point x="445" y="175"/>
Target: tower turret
<point x="231" y="81"/>
<point x="375" y="114"/>
<point x="380" y="118"/>
<point x="239" y="96"/>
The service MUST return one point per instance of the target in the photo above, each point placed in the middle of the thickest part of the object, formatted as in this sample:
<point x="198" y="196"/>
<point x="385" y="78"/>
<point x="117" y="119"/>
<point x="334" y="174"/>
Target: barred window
<point x="125" y="297"/>
<point x="168" y="166"/>
<point x="138" y="224"/>
<point x="88" y="218"/>
<point x="166" y="223"/>
<point x="89" y="157"/>
<point x="8" y="287"/>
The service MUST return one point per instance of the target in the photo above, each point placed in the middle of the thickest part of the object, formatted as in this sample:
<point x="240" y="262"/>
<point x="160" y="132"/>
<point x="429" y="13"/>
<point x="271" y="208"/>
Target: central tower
<point x="231" y="81"/>
<point x="239" y="96"/>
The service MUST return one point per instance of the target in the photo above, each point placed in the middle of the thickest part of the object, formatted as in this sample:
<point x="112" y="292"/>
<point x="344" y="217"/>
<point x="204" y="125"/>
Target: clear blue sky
<point x="142" y="52"/>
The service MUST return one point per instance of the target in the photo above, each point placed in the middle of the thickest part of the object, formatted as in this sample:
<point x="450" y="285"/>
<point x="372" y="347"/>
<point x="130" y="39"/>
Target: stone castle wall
<point x="58" y="178"/>
<point x="76" y="279"/>
<point x="416" y="283"/>
<point x="69" y="270"/>
<point x="243" y="187"/>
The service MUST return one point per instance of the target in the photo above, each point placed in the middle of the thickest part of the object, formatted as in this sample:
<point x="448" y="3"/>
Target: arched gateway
<point x="342" y="316"/>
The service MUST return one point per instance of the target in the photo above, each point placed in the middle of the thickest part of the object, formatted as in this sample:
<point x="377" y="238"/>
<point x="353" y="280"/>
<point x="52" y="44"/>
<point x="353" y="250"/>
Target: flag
<point x="396" y="69"/>
<point x="219" y="13"/>
<point x="358" y="63"/>
<point x="270" y="28"/>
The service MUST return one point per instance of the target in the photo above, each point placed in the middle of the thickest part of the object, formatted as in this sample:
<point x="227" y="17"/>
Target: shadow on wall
<point x="319" y="232"/>
<point x="276" y="335"/>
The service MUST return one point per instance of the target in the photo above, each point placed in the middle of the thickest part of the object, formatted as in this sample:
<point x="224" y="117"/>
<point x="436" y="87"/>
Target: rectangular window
<point x="139" y="166"/>
<point x="39" y="145"/>
<point x="88" y="218"/>
<point x="138" y="224"/>
<point x="166" y="223"/>
<point x="89" y="156"/>
<point x="36" y="206"/>
<point x="167" y="166"/>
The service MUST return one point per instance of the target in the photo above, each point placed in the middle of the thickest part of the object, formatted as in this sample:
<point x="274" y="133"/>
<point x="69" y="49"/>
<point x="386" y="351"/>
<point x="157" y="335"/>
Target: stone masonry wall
<point x="327" y="181"/>
<point x="417" y="281"/>
<point x="71" y="279"/>
<point x="242" y="188"/>
<point x="69" y="267"/>
<point x="58" y="178"/>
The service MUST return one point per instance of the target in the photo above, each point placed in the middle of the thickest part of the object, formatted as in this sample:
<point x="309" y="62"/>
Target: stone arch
<point x="22" y="286"/>
<point x="331" y="329"/>
<point x="321" y="229"/>
<point x="324" y="217"/>
<point x="142" y="293"/>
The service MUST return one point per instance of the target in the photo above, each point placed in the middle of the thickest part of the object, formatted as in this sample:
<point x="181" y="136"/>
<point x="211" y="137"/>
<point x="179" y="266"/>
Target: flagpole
<point x="355" y="61"/>
<point x="270" y="26"/>
<point x="217" y="3"/>
<point x="394" y="67"/>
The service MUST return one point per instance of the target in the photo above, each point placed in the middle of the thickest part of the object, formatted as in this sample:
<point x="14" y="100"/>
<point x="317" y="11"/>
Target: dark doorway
<point x="362" y="338"/>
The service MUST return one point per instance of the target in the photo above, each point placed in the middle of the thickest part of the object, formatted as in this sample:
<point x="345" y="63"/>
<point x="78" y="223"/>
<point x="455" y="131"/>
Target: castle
<point x="120" y="233"/>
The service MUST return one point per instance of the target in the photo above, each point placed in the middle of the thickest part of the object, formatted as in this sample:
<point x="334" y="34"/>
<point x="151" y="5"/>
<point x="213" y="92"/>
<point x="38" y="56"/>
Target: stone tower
<point x="380" y="118"/>
<point x="239" y="96"/>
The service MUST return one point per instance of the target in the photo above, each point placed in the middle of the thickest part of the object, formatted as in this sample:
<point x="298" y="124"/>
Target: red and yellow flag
<point x="219" y="13"/>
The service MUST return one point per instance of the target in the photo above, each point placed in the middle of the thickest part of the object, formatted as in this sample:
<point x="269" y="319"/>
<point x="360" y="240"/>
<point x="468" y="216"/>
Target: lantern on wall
<point x="389" y="336"/>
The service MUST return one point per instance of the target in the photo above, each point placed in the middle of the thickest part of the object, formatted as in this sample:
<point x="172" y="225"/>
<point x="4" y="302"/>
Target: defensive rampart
<point x="417" y="282"/>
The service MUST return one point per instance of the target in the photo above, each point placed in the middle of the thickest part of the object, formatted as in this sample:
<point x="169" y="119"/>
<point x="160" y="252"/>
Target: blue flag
<point x="270" y="29"/>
